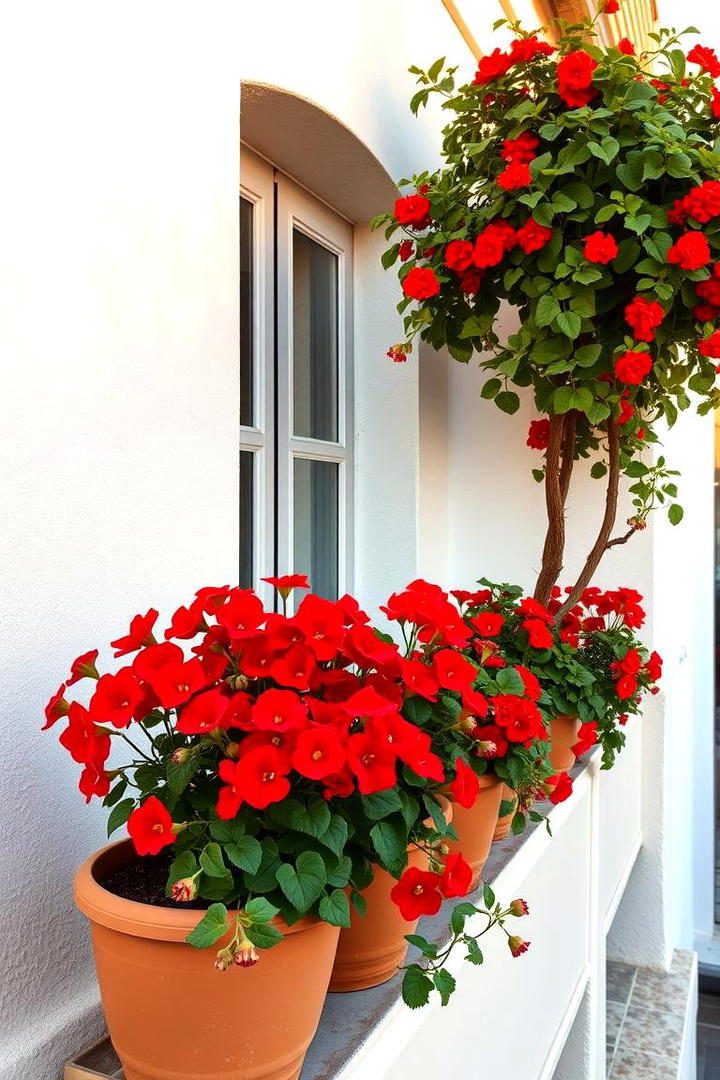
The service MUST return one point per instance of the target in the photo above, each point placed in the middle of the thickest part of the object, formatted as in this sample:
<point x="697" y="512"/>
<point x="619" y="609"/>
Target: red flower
<point x="711" y="346"/>
<point x="405" y="252"/>
<point x="523" y="50"/>
<point x="288" y="582"/>
<point x="420" y="283"/>
<point x="323" y="625"/>
<point x="453" y="671"/>
<point x="318" y="753"/>
<point x="538" y="434"/>
<point x="84" y="668"/>
<point x="539" y="637"/>
<point x="690" y="251"/>
<point x="653" y="667"/>
<point x="205" y="712"/>
<point x="116" y="698"/>
<point x="294" y="668"/>
<point x="626" y="46"/>
<point x="241" y="615"/>
<point x="259" y="778"/>
<point x="470" y="281"/>
<point x="574" y="75"/>
<point x="279" y="710"/>
<point x="706" y="312"/>
<point x="630" y="663"/>
<point x="187" y="621"/>
<point x="475" y="702"/>
<point x="533" y="689"/>
<point x="515" y="175"/>
<point x="490" y="741"/>
<point x="520" y="149"/>
<point x="709" y="290"/>
<point x="611" y="7"/>
<point x="533" y="237"/>
<point x="176" y="682"/>
<point x="417" y="892"/>
<point x="140" y="634"/>
<point x="489" y="624"/>
<point x="489" y="248"/>
<point x="516" y="944"/>
<point x="560" y="787"/>
<point x="150" y="827"/>
<point x="600" y="247"/>
<point x="56" y="707"/>
<point x="459" y="255"/>
<point x="706" y="58"/>
<point x="520" y="719"/>
<point x="367" y="702"/>
<point x="419" y="679"/>
<point x="644" y="316"/>
<point x="363" y="645"/>
<point x="413" y="210"/>
<point x="715" y="102"/>
<point x="587" y="737"/>
<point x="626" y="412"/>
<point x="372" y="759"/>
<point x="626" y="687"/>
<point x="94" y="781"/>
<point x="492" y="67"/>
<point x="529" y="606"/>
<point x="83" y="740"/>
<point x="154" y="657"/>
<point x="465" y="787"/>
<point x="632" y="367"/>
<point x="456" y="876"/>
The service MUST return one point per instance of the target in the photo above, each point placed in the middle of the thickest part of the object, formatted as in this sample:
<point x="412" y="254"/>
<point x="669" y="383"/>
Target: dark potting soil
<point x="144" y="881"/>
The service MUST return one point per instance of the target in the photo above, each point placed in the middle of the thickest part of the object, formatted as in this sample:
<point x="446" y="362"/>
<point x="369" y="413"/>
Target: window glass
<point x="314" y="336"/>
<point x="247" y="485"/>
<point x="315" y="525"/>
<point x="246" y="313"/>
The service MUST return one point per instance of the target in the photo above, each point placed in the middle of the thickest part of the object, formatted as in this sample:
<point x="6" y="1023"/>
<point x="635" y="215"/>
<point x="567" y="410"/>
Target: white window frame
<point x="256" y="185"/>
<point x="297" y="209"/>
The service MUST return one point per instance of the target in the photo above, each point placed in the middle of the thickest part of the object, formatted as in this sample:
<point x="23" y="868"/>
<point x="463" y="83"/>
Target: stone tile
<point x="652" y="1031"/>
<point x="614" y="1016"/>
<point x="659" y="990"/>
<point x="637" y="1065"/>
<point x="682" y="962"/>
<point x="619" y="979"/>
<point x="609" y="1058"/>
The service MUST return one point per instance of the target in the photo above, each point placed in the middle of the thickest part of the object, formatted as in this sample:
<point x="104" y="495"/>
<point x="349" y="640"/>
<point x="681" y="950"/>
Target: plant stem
<point x="552" y="557"/>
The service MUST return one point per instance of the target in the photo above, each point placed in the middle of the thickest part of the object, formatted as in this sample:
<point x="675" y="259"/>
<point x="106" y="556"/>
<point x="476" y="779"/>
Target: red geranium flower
<point x="187" y="621"/>
<point x="576" y="69"/>
<point x="367" y="702"/>
<point x="456" y="876"/>
<point x="560" y="787"/>
<point x="653" y="667"/>
<point x="706" y="58"/>
<point x="626" y="687"/>
<point x="600" y="247"/>
<point x="459" y="255"/>
<point x="279" y="710"/>
<point x="205" y="712"/>
<point x="323" y="625"/>
<point x="522" y="50"/>
<point x="258" y="778"/>
<point x="405" y="252"/>
<point x="587" y="737"/>
<point x="489" y="248"/>
<point x="470" y="281"/>
<point x="56" y="707"/>
<point x="515" y="175"/>
<point x="538" y="434"/>
<point x="363" y="645"/>
<point x="626" y="46"/>
<point x="419" y="679"/>
<point x="489" y="624"/>
<point x="417" y="893"/>
<point x="116" y="698"/>
<point x="492" y="67"/>
<point x="413" y="210"/>
<point x="644" y="316"/>
<point x="140" y="634"/>
<point x="715" y="102"/>
<point x="533" y="237"/>
<point x="241" y="615"/>
<point x="372" y="759"/>
<point x="84" y="668"/>
<point x="288" y="582"/>
<point x="632" y="367"/>
<point x="420" y="283"/>
<point x="533" y="689"/>
<point x="94" y="781"/>
<point x="706" y="312"/>
<point x="294" y="668"/>
<point x="520" y="719"/>
<point x="520" y="149"/>
<point x="611" y="7"/>
<point x="539" y="637"/>
<point x="176" y="682"/>
<point x="453" y="671"/>
<point x="155" y="657"/>
<point x="465" y="787"/>
<point x="491" y="741"/>
<point x="690" y="251"/>
<point x="711" y="346"/>
<point x="319" y="752"/>
<point x="83" y="740"/>
<point x="150" y="827"/>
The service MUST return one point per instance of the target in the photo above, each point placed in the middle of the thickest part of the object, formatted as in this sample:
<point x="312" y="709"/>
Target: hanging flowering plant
<point x="584" y="189"/>
<point x="280" y="762"/>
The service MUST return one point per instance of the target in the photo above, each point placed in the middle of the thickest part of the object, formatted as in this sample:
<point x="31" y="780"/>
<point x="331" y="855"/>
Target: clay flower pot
<point x="475" y="827"/>
<point x="372" y="948"/>
<point x="172" y="1015"/>
<point x="502" y="828"/>
<point x="563" y="733"/>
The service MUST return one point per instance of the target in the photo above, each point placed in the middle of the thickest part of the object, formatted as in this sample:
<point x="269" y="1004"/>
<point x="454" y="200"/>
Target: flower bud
<point x="181" y="755"/>
<point x="238" y="682"/>
<point x="485" y="748"/>
<point x="183" y="890"/>
<point x="517" y="946"/>
<point x="518" y="908"/>
<point x="223" y="960"/>
<point x="246" y="955"/>
<point x="232" y="749"/>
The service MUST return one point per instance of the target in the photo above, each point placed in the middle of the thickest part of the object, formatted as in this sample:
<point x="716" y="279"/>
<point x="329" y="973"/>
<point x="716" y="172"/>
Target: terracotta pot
<point x="563" y="736"/>
<point x="373" y="947"/>
<point x="172" y="1016"/>
<point x="475" y="827"/>
<point x="502" y="828"/>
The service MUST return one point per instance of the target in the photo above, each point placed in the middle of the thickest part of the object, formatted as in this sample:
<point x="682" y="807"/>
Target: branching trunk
<point x="552" y="557"/>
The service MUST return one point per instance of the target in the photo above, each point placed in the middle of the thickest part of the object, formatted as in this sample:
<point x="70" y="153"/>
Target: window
<point x="295" y="383"/>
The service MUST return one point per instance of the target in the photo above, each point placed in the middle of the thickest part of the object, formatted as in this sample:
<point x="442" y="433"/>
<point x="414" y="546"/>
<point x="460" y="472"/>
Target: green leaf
<point x="390" y="256"/>
<point x="444" y="984"/>
<point x="335" y="909"/>
<point x="183" y="865"/>
<point x="117" y="792"/>
<point x="261" y="910"/>
<point x="598" y="470"/>
<point x="587" y="355"/>
<point x="474" y="953"/>
<point x="460" y="913"/>
<point x="335" y="836"/>
<point x="490" y="389"/>
<point x="546" y="310"/>
<point x="636" y="469"/>
<point x="246" y="854"/>
<point x="359" y="902"/>
<point x="227" y="832"/>
<point x="488" y="895"/>
<point x="303" y="883"/>
<point x="382" y="803"/>
<point x="675" y="514"/>
<point x="569" y="323"/>
<point x="263" y="935"/>
<point x="416" y="987"/>
<point x="212" y="862"/>
<point x="119" y="815"/>
<point x="507" y="401"/>
<point x="509" y="681"/>
<point x="212" y="926"/>
<point x="390" y="842"/>
<point x="631" y="175"/>
<point x="626" y="256"/>
<point x="179" y="775"/>
<point x="312" y="819"/>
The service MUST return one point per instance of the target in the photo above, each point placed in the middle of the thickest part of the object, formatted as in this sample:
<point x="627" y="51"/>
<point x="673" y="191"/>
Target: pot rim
<point x="143" y="920"/>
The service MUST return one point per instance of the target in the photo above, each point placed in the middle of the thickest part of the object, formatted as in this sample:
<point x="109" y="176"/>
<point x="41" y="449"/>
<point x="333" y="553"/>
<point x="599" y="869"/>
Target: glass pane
<point x="315" y="345"/>
<point x="247" y="517"/>
<point x="246" y="313"/>
<point x="316" y="524"/>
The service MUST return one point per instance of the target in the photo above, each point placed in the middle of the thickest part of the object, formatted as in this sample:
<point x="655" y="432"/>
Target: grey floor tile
<point x="619" y="978"/>
<point x="614" y="1016"/>
<point x="659" y="990"/>
<point x="652" y="1031"/>
<point x="637" y="1065"/>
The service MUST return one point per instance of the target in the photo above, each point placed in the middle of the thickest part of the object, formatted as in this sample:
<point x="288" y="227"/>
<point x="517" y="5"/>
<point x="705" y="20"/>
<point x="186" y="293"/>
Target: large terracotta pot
<point x="475" y="827"/>
<point x="563" y="733"/>
<point x="372" y="948"/>
<point x="172" y="1016"/>
<point x="504" y="823"/>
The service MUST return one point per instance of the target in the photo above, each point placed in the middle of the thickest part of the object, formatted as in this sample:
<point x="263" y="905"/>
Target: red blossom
<point x="405" y="251"/>
<point x="187" y="621"/>
<point x="323" y="625"/>
<point x="150" y="827"/>
<point x="372" y="759"/>
<point x="84" y="667"/>
<point x="319" y="753"/>
<point x="453" y="671"/>
<point x="83" y="740"/>
<point x="611" y="7"/>
<point x="539" y="637"/>
<point x="459" y="255"/>
<point x="710" y="346"/>
<point x="715" y="102"/>
<point x="587" y="738"/>
<point x="492" y="66"/>
<point x="464" y="788"/>
<point x="626" y="687"/>
<point x="538" y="434"/>
<point x="413" y="210"/>
<point x="560" y="787"/>
<point x="489" y="248"/>
<point x="491" y="742"/>
<point x="140" y="634"/>
<point x="417" y="893"/>
<point x="600" y="247"/>
<point x="706" y="58"/>
<point x="56" y="707"/>
<point x="287" y="582"/>
<point x="456" y="876"/>
<point x="515" y="175"/>
<point x="259" y="778"/>
<point x="471" y="281"/>
<point x="176" y="682"/>
<point x="626" y="46"/>
<point x="690" y="251"/>
<point x="420" y="283"/>
<point x="116" y="698"/>
<point x="206" y="712"/>
<point x="632" y="367"/>
<point x="644" y="316"/>
<point x="522" y="50"/>
<point x="533" y="237"/>
<point x="521" y="149"/>
<point x="516" y="944"/>
<point x="279" y="710"/>
<point x="488" y="624"/>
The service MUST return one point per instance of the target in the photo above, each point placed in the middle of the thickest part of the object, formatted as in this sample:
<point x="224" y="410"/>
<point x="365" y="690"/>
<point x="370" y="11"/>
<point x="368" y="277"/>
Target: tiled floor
<point x="646" y="1019"/>
<point x="708" y="1037"/>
